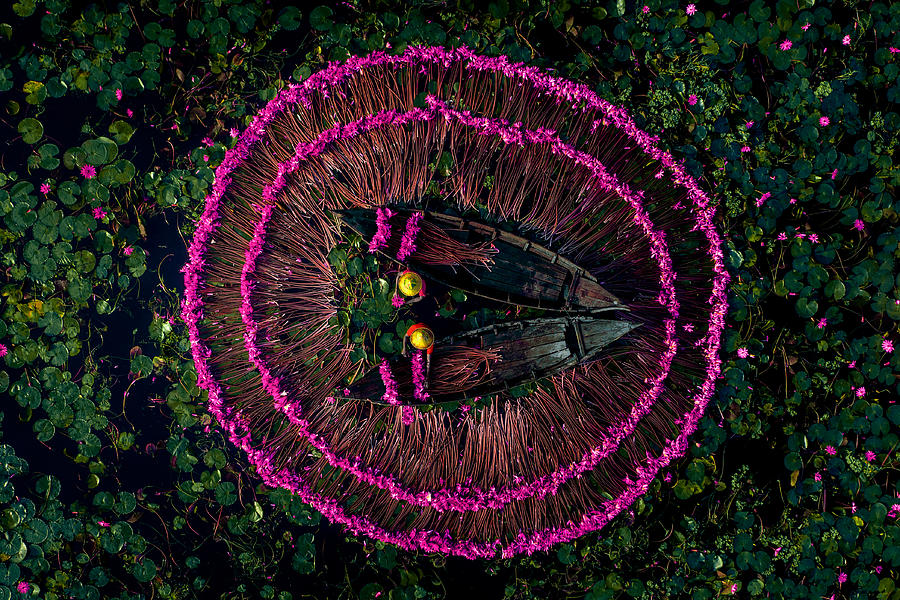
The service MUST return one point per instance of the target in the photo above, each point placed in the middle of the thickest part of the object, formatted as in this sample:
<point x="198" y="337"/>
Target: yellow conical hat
<point x="410" y="283"/>
<point x="422" y="338"/>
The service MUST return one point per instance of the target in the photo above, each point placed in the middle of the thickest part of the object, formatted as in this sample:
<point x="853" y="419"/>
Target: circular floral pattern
<point x="542" y="155"/>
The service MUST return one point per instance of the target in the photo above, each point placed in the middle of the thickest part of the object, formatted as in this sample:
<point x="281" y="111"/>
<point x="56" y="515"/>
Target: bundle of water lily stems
<point x="434" y="247"/>
<point x="570" y="169"/>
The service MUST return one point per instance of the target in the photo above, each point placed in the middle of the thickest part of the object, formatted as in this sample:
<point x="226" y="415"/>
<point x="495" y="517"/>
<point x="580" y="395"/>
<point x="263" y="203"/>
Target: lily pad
<point x="100" y="151"/>
<point x="31" y="129"/>
<point x="121" y="131"/>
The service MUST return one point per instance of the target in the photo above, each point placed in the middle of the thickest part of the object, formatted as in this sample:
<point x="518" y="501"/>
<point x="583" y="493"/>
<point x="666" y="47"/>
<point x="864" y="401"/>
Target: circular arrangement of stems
<point x="539" y="153"/>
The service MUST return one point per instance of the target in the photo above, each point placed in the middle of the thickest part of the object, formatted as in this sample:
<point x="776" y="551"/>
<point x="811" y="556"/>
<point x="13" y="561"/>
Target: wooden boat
<point x="520" y="272"/>
<point x="525" y="351"/>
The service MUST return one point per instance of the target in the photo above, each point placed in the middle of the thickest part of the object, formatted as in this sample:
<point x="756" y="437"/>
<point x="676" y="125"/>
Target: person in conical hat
<point x="411" y="287"/>
<point x="421" y="338"/>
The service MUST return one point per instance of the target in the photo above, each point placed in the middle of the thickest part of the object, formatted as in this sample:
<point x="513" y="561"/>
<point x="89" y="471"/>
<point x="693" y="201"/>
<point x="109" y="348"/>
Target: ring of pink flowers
<point x="458" y="498"/>
<point x="235" y="423"/>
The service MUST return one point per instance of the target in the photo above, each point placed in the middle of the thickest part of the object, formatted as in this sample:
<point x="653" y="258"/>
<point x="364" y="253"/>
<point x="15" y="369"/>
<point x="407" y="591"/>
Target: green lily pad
<point x="320" y="18"/>
<point x="31" y="129"/>
<point x="68" y="192"/>
<point x="80" y="289"/>
<point x="44" y="233"/>
<point x="100" y="151"/>
<point x="36" y="92"/>
<point x="195" y="28"/>
<point x="47" y="156"/>
<point x="74" y="158"/>
<point x="806" y="308"/>
<point x="289" y="19"/>
<point x="44" y="429"/>
<point x="103" y="241"/>
<point x="121" y="131"/>
<point x="226" y="493"/>
<point x="835" y="289"/>
<point x="58" y="354"/>
<point x="141" y="365"/>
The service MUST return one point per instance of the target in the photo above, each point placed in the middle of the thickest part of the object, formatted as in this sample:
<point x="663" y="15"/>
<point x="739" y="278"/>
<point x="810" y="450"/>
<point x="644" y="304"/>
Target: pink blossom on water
<point x="786" y="45"/>
<point x="805" y="27"/>
<point x="99" y="213"/>
<point x="397" y="301"/>
<point x="88" y="171"/>
<point x="646" y="9"/>
<point x="749" y="124"/>
<point x="3" y="350"/>
<point x="887" y="345"/>
<point x="824" y="121"/>
<point x="102" y="523"/>
<point x="859" y="225"/>
<point x="692" y="99"/>
<point x="830" y="450"/>
<point x="129" y="112"/>
<point x="763" y="198"/>
<point x="23" y="587"/>
<point x="846" y="40"/>
<point x="817" y="477"/>
<point x="690" y="9"/>
<point x="208" y="141"/>
<point x="822" y="323"/>
<point x="860" y="391"/>
<point x="782" y="236"/>
<point x="743" y="353"/>
<point x="45" y="188"/>
<point x="745" y="148"/>
<point x="814" y="238"/>
<point x="842" y="577"/>
<point x="118" y="94"/>
<point x="834" y="173"/>
<point x="128" y="251"/>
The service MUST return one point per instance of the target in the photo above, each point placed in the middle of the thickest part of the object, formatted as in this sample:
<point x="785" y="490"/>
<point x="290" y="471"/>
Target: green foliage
<point x="777" y="497"/>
